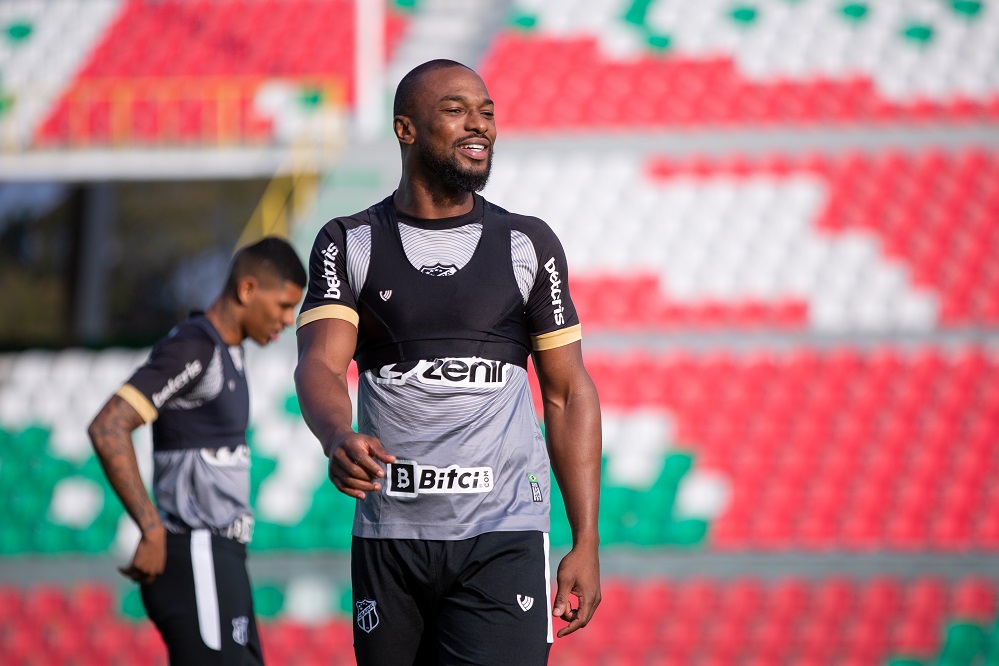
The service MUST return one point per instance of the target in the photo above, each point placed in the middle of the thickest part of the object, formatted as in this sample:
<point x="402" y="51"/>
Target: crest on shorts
<point x="239" y="625"/>
<point x="367" y="616"/>
<point x="439" y="269"/>
<point x="525" y="602"/>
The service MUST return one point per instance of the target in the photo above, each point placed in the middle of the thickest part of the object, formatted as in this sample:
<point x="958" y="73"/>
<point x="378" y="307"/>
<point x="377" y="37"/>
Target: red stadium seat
<point x="155" y="49"/>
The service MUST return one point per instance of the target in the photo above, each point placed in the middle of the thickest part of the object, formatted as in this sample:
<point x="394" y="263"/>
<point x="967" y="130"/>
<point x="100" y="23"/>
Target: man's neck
<point x="222" y="314"/>
<point x="420" y="200"/>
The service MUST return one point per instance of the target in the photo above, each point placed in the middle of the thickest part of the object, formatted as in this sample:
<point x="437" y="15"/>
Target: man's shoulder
<point x="190" y="335"/>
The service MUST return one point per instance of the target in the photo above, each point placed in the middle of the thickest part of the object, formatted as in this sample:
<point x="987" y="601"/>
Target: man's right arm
<point x="111" y="435"/>
<point x="325" y="348"/>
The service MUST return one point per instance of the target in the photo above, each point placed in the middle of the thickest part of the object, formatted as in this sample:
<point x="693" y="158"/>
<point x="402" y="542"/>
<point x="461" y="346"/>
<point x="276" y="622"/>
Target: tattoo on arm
<point x="111" y="435"/>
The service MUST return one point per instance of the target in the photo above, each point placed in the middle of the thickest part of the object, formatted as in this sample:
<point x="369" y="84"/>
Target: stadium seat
<point x="697" y="65"/>
<point x="188" y="73"/>
<point x="825" y="621"/>
<point x="794" y="242"/>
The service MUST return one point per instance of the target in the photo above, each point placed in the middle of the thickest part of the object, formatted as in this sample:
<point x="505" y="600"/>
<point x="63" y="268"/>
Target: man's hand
<point x="150" y="557"/>
<point x="354" y="464"/>
<point x="578" y="575"/>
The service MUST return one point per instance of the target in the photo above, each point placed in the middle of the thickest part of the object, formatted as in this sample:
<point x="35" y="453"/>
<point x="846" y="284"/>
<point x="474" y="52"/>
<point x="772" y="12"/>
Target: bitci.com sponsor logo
<point x="407" y="478"/>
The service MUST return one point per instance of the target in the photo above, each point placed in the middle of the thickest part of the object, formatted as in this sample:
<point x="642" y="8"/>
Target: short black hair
<point x="270" y="260"/>
<point x="405" y="92"/>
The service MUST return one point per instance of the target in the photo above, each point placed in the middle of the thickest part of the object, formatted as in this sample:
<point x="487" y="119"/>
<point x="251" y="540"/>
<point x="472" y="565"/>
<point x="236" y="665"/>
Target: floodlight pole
<point x="369" y="68"/>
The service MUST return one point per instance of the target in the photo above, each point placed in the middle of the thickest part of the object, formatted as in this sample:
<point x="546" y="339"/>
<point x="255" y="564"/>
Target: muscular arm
<point x="325" y="348"/>
<point x="111" y="436"/>
<point x="572" y="426"/>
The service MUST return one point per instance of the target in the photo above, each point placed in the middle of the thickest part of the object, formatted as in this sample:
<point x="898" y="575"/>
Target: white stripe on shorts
<point x="548" y="589"/>
<point x="205" y="592"/>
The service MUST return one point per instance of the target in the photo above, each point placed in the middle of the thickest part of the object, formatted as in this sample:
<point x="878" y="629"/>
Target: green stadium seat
<point x="29" y="502"/>
<point x="304" y="536"/>
<point x="688" y="532"/>
<point x="266" y="536"/>
<point x="94" y="540"/>
<point x="559" y="534"/>
<point x="260" y="469"/>
<point x="267" y="600"/>
<point x="15" y="538"/>
<point x="291" y="405"/>
<point x="130" y="604"/>
<point x="49" y="539"/>
<point x="964" y="643"/>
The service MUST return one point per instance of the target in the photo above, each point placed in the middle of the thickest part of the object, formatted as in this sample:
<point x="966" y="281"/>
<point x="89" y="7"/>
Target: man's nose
<point x="476" y="122"/>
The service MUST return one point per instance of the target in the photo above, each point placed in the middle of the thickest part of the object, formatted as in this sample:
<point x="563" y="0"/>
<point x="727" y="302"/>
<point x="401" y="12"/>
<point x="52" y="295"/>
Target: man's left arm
<point x="572" y="428"/>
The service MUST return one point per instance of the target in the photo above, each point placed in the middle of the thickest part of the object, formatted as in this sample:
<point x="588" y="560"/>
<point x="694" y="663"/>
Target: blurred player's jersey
<point x="448" y="312"/>
<point x="193" y="388"/>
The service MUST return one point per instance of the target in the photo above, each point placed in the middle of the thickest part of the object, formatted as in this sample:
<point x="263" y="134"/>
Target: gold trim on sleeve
<point x="139" y="402"/>
<point x="559" y="338"/>
<point x="330" y="311"/>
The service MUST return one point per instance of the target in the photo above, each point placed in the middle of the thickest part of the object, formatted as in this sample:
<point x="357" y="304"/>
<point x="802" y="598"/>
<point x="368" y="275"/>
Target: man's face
<point x="269" y="310"/>
<point x="456" y="132"/>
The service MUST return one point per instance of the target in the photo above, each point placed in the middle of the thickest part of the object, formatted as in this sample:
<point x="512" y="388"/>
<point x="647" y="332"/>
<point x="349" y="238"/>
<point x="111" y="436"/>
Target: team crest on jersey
<point x="439" y="270"/>
<point x="407" y="478"/>
<point x="367" y="616"/>
<point x="239" y="626"/>
<point x="387" y="294"/>
<point x="472" y="372"/>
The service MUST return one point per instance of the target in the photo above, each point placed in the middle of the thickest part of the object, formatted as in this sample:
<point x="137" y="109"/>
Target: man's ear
<point x="404" y="130"/>
<point x="246" y="289"/>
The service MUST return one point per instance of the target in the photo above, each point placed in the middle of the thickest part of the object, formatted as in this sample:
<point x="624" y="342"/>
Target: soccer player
<point x="191" y="557"/>
<point x="441" y="297"/>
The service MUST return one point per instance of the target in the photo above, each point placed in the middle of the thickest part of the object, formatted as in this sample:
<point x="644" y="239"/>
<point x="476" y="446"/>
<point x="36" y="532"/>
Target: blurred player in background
<point x="440" y="297"/>
<point x="191" y="557"/>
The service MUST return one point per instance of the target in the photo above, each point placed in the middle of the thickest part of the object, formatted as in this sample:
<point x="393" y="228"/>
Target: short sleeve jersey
<point x="193" y="390"/>
<point x="447" y="312"/>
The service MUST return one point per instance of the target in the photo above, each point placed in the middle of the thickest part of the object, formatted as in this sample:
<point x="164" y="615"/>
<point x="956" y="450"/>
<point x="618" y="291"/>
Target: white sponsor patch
<point x="556" y="292"/>
<point x="191" y="370"/>
<point x="473" y="371"/>
<point x="329" y="271"/>
<point x="407" y="478"/>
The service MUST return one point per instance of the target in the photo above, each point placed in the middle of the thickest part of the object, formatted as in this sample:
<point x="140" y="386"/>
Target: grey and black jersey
<point x="193" y="389"/>
<point x="448" y="312"/>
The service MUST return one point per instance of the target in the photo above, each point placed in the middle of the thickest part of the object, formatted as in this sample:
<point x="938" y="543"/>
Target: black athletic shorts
<point x="201" y="603"/>
<point x="483" y="600"/>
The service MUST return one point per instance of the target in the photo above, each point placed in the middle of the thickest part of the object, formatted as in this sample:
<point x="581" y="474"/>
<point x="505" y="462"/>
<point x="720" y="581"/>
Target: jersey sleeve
<point x="329" y="295"/>
<point x="174" y="367"/>
<point x="550" y="313"/>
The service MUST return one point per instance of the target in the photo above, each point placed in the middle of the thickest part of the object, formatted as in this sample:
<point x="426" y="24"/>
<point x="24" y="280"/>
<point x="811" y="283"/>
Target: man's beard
<point x="454" y="177"/>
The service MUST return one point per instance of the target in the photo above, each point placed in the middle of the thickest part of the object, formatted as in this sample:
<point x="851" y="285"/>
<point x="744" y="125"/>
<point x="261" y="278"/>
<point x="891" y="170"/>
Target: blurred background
<point x="782" y="222"/>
